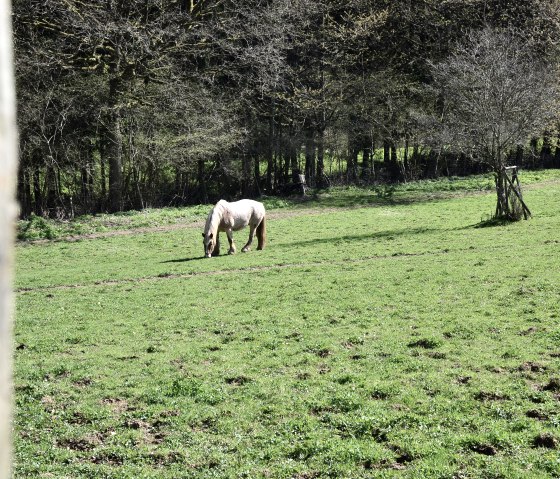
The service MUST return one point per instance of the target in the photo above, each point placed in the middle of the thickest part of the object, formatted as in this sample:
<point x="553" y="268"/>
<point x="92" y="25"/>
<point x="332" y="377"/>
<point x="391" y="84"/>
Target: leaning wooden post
<point x="516" y="188"/>
<point x="8" y="165"/>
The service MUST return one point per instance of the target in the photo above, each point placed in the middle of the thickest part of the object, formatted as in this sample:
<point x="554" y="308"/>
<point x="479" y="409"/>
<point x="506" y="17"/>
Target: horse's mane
<point x="215" y="217"/>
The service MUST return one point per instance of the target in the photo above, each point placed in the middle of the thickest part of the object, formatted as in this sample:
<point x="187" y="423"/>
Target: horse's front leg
<point x="229" y="233"/>
<point x="216" y="251"/>
<point x="252" y="230"/>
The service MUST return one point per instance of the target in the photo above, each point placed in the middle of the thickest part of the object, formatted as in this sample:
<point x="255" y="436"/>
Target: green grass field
<point x="377" y="336"/>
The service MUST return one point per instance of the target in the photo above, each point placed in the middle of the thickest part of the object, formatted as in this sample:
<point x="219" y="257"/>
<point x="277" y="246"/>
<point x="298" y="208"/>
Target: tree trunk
<point x="85" y="187"/>
<point x="8" y="171"/>
<point x="546" y="151"/>
<point x="519" y="155"/>
<point x="24" y="193"/>
<point x="395" y="173"/>
<point x="353" y="151"/>
<point x="321" y="159"/>
<point x="556" y="162"/>
<point x="294" y="147"/>
<point x="510" y="204"/>
<point x="37" y="196"/>
<point x="87" y="178"/>
<point x="257" y="173"/>
<point x="534" y="144"/>
<point x="114" y="147"/>
<point x="406" y="166"/>
<point x="386" y="154"/>
<point x="270" y="150"/>
<point x="309" y="157"/>
<point x="246" y="175"/>
<point x="203" y="193"/>
<point x="432" y="164"/>
<point x="102" y="199"/>
<point x="366" y="163"/>
<point x="293" y="153"/>
<point x="51" y="191"/>
<point x="352" y="161"/>
<point x="287" y="163"/>
<point x="502" y="208"/>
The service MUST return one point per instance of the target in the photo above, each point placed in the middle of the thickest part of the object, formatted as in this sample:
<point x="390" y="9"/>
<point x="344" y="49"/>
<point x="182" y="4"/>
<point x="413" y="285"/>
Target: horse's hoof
<point x="244" y="250"/>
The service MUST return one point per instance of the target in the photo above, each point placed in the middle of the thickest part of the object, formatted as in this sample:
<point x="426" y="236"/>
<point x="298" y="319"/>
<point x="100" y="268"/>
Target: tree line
<point x="141" y="103"/>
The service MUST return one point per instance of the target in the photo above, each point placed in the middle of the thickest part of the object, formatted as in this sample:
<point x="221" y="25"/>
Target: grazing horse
<point x="230" y="217"/>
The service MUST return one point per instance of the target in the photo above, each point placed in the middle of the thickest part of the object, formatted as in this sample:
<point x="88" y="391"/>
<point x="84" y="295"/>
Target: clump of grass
<point x="37" y="227"/>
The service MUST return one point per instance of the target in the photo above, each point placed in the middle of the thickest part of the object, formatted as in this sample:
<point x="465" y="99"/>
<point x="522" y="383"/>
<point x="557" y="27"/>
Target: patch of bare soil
<point x="87" y="443"/>
<point x="546" y="440"/>
<point x="490" y="396"/>
<point x="485" y="449"/>
<point x="150" y="434"/>
<point x="117" y="405"/>
<point x="536" y="414"/>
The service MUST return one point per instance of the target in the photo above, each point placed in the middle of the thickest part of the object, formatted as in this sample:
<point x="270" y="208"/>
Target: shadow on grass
<point x="365" y="198"/>
<point x="491" y="222"/>
<point x="353" y="200"/>
<point x="391" y="234"/>
<point x="183" y="260"/>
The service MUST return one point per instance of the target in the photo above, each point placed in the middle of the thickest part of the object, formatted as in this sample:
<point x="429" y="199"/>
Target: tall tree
<point x="124" y="44"/>
<point x="495" y="97"/>
<point x="179" y="101"/>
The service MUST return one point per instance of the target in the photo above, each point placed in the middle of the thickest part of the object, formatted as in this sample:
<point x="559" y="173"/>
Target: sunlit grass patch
<point x="384" y="340"/>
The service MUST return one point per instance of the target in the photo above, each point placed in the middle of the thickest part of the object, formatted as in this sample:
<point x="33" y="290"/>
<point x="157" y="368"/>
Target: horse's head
<point x="209" y="244"/>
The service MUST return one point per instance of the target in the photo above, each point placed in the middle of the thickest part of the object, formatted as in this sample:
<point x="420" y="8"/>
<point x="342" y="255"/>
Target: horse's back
<point x="247" y="204"/>
<point x="246" y="212"/>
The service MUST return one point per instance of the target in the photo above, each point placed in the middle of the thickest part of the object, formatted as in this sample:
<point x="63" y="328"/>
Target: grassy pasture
<point x="375" y="337"/>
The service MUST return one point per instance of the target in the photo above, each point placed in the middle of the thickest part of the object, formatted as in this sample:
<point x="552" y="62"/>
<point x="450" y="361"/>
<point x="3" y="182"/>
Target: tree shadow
<point x="489" y="223"/>
<point x="368" y="197"/>
<point x="390" y="234"/>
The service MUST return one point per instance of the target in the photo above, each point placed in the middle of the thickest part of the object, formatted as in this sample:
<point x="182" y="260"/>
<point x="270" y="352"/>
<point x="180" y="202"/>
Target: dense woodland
<point x="143" y="103"/>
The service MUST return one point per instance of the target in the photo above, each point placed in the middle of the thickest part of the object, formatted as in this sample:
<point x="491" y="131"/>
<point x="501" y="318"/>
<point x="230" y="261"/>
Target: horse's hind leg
<point x="230" y="239"/>
<point x="252" y="230"/>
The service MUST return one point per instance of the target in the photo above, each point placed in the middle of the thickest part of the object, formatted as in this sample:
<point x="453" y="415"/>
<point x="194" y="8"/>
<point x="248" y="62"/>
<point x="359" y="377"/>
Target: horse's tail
<point x="261" y="233"/>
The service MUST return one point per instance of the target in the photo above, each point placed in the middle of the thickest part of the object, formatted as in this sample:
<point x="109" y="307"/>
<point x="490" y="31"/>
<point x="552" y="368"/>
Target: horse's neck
<point x="215" y="218"/>
<point x="212" y="224"/>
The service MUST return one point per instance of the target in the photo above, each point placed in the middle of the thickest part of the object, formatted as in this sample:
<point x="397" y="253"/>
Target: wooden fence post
<point x="8" y="167"/>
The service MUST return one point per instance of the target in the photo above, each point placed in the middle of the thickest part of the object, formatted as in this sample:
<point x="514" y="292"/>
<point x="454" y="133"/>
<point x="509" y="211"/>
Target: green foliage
<point x="371" y="338"/>
<point x="37" y="227"/>
<point x="385" y="191"/>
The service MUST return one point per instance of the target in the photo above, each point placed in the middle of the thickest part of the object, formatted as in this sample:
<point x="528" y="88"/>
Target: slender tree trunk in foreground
<point x="8" y="167"/>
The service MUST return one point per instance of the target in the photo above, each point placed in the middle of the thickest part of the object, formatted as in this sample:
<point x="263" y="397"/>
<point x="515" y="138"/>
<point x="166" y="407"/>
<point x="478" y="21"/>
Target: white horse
<point x="230" y="217"/>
